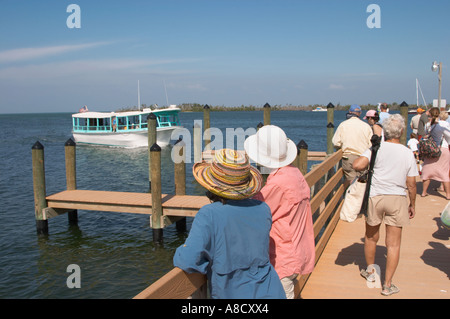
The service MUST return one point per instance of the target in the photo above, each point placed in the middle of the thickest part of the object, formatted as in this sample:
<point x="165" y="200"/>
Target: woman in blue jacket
<point x="229" y="238"/>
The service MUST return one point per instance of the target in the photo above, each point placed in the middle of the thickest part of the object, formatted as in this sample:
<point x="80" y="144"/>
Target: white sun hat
<point x="270" y="147"/>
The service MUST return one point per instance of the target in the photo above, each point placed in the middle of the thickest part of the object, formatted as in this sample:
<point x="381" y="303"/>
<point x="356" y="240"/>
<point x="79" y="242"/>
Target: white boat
<point x="319" y="109"/>
<point x="124" y="129"/>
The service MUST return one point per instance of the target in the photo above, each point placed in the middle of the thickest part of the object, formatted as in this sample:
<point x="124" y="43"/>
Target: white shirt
<point x="394" y="162"/>
<point x="438" y="131"/>
<point x="412" y="144"/>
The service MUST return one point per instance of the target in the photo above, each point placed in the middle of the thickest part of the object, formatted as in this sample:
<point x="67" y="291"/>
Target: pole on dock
<point x="180" y="177"/>
<point x="330" y="127"/>
<point x="330" y="133"/>
<point x="404" y="113"/>
<point x="206" y="127"/>
<point x="302" y="157"/>
<point x="151" y="131"/>
<point x="156" y="222"/>
<point x="71" y="175"/>
<point x="266" y="114"/>
<point x="40" y="201"/>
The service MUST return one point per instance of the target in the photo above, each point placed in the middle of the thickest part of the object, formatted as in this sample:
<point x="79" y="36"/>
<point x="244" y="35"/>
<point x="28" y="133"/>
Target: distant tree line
<point x="196" y="107"/>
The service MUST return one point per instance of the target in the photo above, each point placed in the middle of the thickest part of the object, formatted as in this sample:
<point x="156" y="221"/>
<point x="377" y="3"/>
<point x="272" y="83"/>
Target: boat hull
<point x="131" y="139"/>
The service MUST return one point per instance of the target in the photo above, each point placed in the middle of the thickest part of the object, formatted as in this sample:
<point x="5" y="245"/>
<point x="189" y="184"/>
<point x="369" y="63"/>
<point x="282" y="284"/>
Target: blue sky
<point x="216" y="52"/>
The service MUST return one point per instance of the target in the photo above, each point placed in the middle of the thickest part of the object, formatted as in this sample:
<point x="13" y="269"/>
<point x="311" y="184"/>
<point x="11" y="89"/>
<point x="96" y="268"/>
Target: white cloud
<point x="24" y="54"/>
<point x="336" y="87"/>
<point x="87" y="67"/>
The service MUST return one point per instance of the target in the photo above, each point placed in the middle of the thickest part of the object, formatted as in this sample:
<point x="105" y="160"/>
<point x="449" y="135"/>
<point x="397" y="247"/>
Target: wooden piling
<point x="404" y="113"/>
<point x="302" y="157"/>
<point x="266" y="114"/>
<point x="206" y="127"/>
<point x="151" y="131"/>
<point x="71" y="173"/>
<point x="330" y="133"/>
<point x="156" y="220"/>
<point x="180" y="177"/>
<point x="40" y="201"/>
<point x="330" y="128"/>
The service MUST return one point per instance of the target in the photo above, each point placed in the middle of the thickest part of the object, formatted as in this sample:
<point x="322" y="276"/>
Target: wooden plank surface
<point x="423" y="270"/>
<point x="125" y="202"/>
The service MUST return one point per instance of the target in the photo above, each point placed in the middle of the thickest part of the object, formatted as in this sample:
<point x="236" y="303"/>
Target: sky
<point x="216" y="52"/>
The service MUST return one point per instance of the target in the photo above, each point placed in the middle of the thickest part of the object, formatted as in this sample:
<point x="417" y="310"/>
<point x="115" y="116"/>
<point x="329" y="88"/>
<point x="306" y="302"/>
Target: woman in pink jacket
<point x="292" y="248"/>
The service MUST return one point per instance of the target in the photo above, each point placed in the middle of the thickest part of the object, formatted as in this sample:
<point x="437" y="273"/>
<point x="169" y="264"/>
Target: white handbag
<point x="354" y="196"/>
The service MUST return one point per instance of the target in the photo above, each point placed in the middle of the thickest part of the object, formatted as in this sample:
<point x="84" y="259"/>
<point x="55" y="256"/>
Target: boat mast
<point x="417" y="92"/>
<point x="139" y="98"/>
<point x="167" y="100"/>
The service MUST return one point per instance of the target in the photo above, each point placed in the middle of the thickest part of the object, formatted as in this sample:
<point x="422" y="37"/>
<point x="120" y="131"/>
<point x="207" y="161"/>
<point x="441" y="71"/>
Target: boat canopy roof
<point x="120" y="114"/>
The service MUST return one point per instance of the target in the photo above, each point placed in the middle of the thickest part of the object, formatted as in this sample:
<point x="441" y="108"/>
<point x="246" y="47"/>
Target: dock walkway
<point x="423" y="271"/>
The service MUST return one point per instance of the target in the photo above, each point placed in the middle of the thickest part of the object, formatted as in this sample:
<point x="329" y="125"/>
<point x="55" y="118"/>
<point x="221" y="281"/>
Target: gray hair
<point x="393" y="126"/>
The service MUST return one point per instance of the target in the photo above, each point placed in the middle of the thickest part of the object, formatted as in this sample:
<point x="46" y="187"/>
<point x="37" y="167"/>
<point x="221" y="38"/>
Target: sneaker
<point x="387" y="291"/>
<point x="370" y="277"/>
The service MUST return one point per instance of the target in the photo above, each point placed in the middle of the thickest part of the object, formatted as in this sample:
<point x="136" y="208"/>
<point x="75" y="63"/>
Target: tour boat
<point x="124" y="129"/>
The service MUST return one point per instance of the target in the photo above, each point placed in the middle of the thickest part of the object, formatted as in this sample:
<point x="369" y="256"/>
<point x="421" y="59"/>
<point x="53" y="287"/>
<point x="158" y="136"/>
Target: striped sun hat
<point x="229" y="175"/>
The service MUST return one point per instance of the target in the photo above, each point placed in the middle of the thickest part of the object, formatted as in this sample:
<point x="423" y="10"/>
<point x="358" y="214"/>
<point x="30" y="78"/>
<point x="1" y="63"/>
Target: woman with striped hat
<point x="229" y="238"/>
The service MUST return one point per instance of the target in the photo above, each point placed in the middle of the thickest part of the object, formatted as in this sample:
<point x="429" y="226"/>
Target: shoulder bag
<point x="428" y="147"/>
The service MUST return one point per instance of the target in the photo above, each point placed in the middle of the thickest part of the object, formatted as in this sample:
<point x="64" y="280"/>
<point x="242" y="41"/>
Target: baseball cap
<point x="355" y="108"/>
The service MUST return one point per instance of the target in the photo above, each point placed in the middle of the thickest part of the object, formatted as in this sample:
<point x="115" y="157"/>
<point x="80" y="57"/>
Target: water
<point x="114" y="251"/>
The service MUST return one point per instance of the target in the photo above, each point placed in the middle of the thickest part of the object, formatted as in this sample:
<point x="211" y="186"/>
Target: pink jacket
<point x="292" y="248"/>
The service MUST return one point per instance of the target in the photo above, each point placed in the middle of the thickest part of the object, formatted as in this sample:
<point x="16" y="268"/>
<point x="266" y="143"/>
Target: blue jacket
<point x="230" y="243"/>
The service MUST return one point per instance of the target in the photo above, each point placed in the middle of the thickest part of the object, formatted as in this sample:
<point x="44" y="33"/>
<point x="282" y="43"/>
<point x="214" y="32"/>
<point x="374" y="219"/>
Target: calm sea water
<point x="114" y="251"/>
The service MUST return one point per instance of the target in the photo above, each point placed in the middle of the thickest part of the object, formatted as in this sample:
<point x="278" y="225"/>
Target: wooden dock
<point x="423" y="271"/>
<point x="123" y="202"/>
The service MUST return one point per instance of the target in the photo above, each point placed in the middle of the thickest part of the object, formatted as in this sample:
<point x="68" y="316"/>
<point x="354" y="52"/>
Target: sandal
<point x="387" y="291"/>
<point x="370" y="277"/>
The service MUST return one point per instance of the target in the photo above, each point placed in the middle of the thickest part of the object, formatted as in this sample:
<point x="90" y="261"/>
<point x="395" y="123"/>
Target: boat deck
<point x="423" y="271"/>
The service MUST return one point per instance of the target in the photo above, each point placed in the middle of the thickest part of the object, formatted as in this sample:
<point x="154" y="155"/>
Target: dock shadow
<point x="354" y="254"/>
<point x="437" y="256"/>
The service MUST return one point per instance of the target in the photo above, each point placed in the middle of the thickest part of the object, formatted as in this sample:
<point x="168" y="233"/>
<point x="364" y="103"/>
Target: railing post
<point x="151" y="131"/>
<point x="71" y="175"/>
<point x="302" y="157"/>
<point x="266" y="114"/>
<point x="180" y="177"/>
<point x="40" y="201"/>
<point x="206" y="127"/>
<point x="404" y="113"/>
<point x="156" y="222"/>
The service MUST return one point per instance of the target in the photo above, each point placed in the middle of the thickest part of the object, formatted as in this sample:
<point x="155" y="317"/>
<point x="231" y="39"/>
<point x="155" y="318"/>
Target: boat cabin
<point x="102" y="122"/>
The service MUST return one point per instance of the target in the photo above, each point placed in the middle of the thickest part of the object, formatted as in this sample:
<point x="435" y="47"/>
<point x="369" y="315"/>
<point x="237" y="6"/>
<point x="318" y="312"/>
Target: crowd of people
<point x="254" y="240"/>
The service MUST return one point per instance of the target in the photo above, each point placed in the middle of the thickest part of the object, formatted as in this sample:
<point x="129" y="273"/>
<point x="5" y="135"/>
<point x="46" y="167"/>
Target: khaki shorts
<point x="393" y="209"/>
<point x="349" y="173"/>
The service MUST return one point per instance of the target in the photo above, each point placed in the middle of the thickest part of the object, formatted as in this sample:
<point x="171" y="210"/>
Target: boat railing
<point x="327" y="190"/>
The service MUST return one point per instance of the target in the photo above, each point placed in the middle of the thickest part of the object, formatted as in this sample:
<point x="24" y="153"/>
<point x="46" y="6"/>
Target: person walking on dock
<point x="229" y="238"/>
<point x="353" y="137"/>
<point x="292" y="249"/>
<point x="394" y="177"/>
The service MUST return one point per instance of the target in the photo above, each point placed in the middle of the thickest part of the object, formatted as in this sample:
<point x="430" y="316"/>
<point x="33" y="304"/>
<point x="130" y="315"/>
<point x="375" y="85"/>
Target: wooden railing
<point x="325" y="180"/>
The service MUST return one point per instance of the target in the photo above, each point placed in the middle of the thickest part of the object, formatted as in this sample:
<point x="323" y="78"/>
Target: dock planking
<point x="423" y="271"/>
<point x="123" y="202"/>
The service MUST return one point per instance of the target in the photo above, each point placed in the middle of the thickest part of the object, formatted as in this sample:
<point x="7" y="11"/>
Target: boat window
<point x="165" y="120"/>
